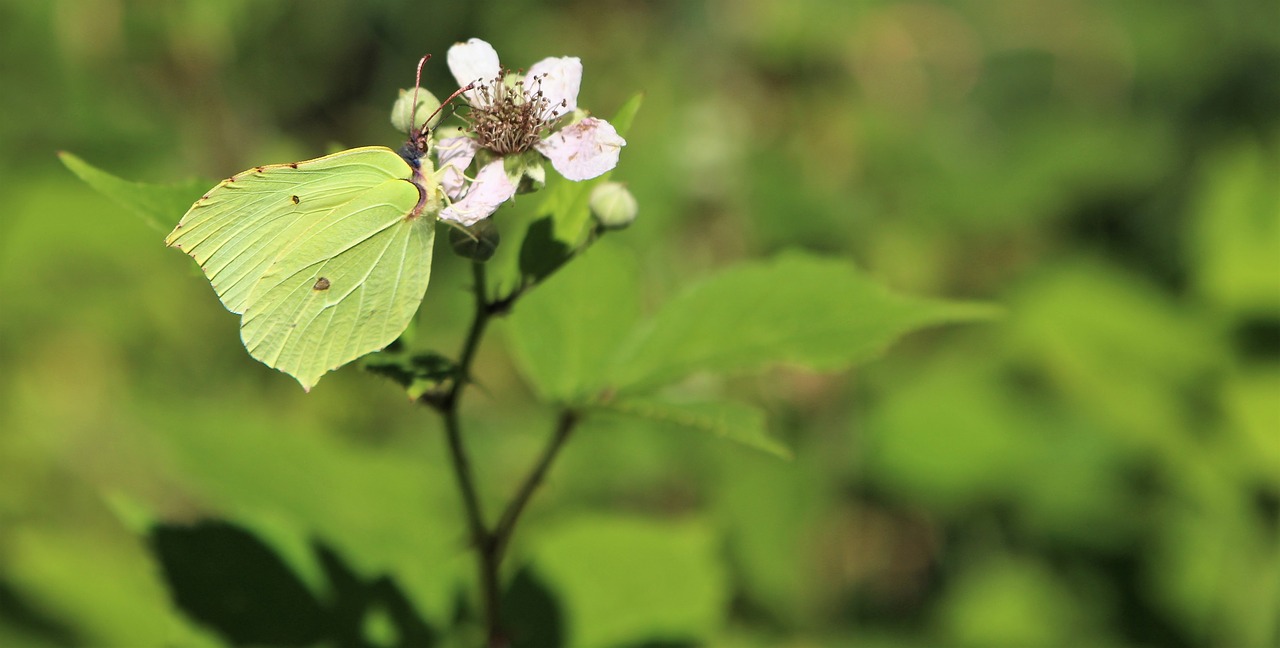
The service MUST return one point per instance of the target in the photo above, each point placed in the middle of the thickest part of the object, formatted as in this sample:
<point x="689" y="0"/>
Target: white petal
<point x="471" y="61"/>
<point x="455" y="155"/>
<point x="559" y="79"/>
<point x="583" y="150"/>
<point x="490" y="189"/>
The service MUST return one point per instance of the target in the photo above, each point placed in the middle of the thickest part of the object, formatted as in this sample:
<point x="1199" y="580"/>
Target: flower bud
<point x="477" y="242"/>
<point x="403" y="111"/>
<point x="613" y="206"/>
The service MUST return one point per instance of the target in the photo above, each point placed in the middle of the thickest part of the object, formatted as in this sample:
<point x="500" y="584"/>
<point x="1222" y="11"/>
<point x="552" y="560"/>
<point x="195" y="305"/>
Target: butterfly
<point x="325" y="260"/>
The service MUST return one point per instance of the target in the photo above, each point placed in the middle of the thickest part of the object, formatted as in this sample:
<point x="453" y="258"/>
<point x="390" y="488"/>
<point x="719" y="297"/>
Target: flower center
<point x="509" y="118"/>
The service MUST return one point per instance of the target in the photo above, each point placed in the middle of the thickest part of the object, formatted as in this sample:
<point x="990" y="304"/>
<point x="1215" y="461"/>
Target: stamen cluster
<point x="511" y="117"/>
<point x="507" y="118"/>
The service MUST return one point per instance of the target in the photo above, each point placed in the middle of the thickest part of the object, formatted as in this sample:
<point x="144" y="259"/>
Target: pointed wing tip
<point x="306" y="384"/>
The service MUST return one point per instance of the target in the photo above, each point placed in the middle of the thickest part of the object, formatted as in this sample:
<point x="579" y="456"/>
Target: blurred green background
<point x="1099" y="467"/>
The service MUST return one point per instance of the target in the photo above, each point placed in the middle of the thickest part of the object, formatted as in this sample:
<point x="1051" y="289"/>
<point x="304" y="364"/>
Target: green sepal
<point x="527" y="171"/>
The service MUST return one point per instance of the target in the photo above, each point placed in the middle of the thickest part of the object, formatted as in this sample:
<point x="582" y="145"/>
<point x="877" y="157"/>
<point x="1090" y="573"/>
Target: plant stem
<point x="481" y="538"/>
<point x="490" y="545"/>
<point x="478" y="323"/>
<point x="506" y="524"/>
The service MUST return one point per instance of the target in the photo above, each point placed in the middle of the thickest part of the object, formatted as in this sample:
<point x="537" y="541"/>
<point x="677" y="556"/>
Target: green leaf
<point x="1236" y="232"/>
<point x="1132" y="367"/>
<point x="563" y="334"/>
<point x="731" y="421"/>
<point x="531" y="612"/>
<point x="626" y="580"/>
<point x="235" y="582"/>
<point x="228" y="579"/>
<point x="1014" y="603"/>
<point x="155" y="204"/>
<point x="819" y="313"/>
<point x="567" y="202"/>
<point x="542" y="253"/>
<point x="109" y="589"/>
<point x="772" y="511"/>
<point x="293" y="489"/>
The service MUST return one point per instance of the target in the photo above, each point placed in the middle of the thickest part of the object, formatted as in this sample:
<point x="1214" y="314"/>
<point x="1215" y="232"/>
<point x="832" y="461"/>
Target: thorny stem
<point x="491" y="544"/>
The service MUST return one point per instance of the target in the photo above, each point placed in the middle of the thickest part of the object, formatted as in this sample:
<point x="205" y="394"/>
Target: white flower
<point x="583" y="150"/>
<point x="455" y="155"/>
<point x="510" y="115"/>
<point x="490" y="189"/>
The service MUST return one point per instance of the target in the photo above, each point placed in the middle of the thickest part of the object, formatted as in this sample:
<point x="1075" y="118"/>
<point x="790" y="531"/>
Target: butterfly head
<point x="405" y="113"/>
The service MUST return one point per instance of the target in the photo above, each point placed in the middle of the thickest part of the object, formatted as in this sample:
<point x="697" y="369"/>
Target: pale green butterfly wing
<point x="237" y="229"/>
<point x="345" y="288"/>
<point x="325" y="259"/>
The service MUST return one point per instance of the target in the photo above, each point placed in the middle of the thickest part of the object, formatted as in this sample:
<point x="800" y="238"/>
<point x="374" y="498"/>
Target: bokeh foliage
<point x="1100" y="466"/>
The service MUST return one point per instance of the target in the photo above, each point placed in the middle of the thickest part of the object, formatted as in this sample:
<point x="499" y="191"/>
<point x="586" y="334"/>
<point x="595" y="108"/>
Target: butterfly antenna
<point x="453" y="110"/>
<point x="417" y="83"/>
<point x="446" y="102"/>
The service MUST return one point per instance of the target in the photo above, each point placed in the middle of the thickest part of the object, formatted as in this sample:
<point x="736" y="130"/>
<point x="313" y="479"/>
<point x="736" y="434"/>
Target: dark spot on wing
<point x="321" y="284"/>
<point x="295" y="199"/>
<point x="260" y="169"/>
<point x="231" y="179"/>
<point x="293" y="165"/>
